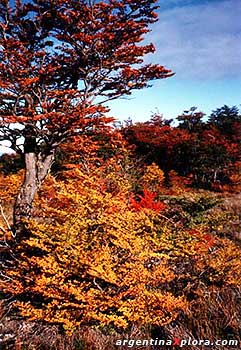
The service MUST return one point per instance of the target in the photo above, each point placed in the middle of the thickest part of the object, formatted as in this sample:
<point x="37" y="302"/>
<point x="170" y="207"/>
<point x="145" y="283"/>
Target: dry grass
<point x="214" y="314"/>
<point x="232" y="204"/>
<point x="22" y="335"/>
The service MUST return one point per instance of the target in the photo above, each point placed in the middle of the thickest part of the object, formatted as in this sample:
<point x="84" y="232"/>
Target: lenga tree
<point x="60" y="62"/>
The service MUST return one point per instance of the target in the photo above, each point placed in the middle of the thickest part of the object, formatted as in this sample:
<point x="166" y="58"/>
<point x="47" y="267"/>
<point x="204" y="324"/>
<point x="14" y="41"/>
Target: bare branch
<point x="6" y="220"/>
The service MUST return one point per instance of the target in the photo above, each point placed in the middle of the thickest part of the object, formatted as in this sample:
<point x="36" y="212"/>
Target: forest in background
<point x="109" y="231"/>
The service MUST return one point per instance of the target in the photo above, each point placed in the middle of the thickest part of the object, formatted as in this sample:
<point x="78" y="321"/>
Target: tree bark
<point x="36" y="169"/>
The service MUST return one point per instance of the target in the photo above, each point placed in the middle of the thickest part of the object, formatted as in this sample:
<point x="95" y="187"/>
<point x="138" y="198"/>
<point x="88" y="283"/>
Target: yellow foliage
<point x="224" y="262"/>
<point x="91" y="258"/>
<point x="153" y="178"/>
<point x="9" y="186"/>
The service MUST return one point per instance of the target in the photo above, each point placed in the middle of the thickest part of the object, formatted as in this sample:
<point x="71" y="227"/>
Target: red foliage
<point x="147" y="201"/>
<point x="157" y="136"/>
<point x="60" y="62"/>
<point x="207" y="240"/>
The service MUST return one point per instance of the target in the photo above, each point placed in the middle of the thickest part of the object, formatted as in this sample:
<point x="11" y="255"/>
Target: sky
<point x="199" y="40"/>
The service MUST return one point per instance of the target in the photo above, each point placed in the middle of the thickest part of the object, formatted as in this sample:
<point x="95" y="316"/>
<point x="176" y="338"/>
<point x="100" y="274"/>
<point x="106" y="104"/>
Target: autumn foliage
<point x="103" y="256"/>
<point x="108" y="231"/>
<point x="206" y="154"/>
<point x="61" y="62"/>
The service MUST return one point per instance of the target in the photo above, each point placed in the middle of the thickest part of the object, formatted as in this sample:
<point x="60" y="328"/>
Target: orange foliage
<point x="9" y="185"/>
<point x="87" y="263"/>
<point x="153" y="178"/>
<point x="91" y="258"/>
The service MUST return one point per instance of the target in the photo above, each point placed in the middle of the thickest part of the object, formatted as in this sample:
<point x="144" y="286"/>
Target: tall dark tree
<point x="191" y="120"/>
<point x="227" y="120"/>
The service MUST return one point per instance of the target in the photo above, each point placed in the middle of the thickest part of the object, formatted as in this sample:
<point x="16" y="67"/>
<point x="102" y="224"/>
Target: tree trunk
<point x="36" y="169"/>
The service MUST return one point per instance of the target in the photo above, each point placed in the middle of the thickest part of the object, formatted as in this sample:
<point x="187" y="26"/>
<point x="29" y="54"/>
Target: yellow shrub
<point x="93" y="259"/>
<point x="153" y="178"/>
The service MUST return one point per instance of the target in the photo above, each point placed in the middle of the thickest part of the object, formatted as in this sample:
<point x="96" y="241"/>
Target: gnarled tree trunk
<point x="37" y="167"/>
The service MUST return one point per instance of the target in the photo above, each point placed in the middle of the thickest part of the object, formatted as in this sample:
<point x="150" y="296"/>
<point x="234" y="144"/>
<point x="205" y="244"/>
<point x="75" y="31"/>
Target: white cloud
<point x="200" y="41"/>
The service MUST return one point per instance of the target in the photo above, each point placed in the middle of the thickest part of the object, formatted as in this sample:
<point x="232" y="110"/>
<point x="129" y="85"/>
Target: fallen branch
<point x="6" y="222"/>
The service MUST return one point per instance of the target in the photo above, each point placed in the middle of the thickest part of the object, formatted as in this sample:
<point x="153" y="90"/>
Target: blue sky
<point x="200" y="40"/>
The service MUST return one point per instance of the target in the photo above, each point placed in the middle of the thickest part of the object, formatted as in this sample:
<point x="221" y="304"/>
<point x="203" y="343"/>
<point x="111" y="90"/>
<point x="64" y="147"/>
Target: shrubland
<point x="113" y="249"/>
